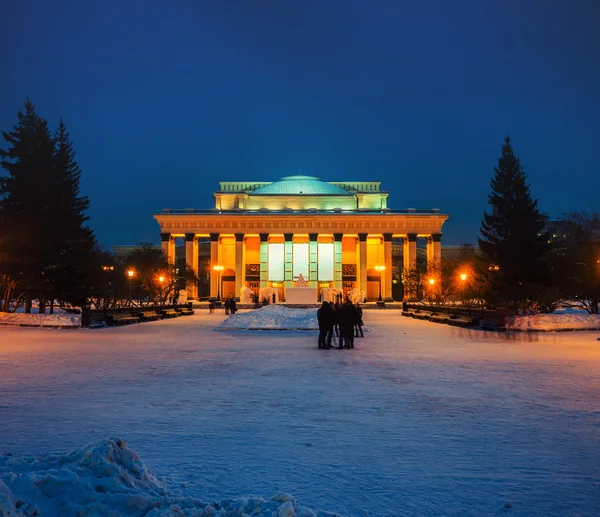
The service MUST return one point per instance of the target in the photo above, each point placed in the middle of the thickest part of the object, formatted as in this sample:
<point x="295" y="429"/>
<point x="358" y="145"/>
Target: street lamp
<point x="130" y="274"/>
<point x="431" y="282"/>
<point x="218" y="269"/>
<point x="380" y="269"/>
<point x="463" y="277"/>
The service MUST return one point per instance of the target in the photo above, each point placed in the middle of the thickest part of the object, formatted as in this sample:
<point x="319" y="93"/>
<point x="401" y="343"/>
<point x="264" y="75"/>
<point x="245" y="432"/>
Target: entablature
<point x="397" y="224"/>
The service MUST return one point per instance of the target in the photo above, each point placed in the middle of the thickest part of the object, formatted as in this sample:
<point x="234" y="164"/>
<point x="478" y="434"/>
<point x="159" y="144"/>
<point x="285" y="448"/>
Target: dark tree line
<point x="575" y="260"/>
<point x="519" y="266"/>
<point x="48" y="252"/>
<point x="153" y="281"/>
<point x="47" y="248"/>
<point x="523" y="267"/>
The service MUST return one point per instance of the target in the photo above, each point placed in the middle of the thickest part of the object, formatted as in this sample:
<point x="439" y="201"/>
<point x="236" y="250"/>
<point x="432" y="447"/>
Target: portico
<point x="334" y="234"/>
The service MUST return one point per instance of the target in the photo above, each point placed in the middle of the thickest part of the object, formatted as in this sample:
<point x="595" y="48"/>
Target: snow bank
<point x="560" y="320"/>
<point x="108" y="478"/>
<point x="61" y="319"/>
<point x="272" y="317"/>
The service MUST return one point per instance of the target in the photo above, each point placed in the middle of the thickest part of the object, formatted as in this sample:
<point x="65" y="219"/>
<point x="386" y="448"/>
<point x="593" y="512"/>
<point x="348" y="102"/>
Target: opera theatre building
<point x="340" y="237"/>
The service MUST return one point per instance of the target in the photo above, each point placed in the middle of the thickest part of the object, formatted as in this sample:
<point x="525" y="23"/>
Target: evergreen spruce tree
<point x="74" y="244"/>
<point x="28" y="162"/>
<point x="513" y="237"/>
<point x="42" y="215"/>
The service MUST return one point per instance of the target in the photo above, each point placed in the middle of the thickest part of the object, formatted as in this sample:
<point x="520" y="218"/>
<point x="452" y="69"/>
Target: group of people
<point x="343" y="320"/>
<point x="336" y="320"/>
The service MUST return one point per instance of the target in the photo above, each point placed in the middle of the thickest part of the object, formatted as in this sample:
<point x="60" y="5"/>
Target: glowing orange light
<point x="463" y="276"/>
<point x="130" y="273"/>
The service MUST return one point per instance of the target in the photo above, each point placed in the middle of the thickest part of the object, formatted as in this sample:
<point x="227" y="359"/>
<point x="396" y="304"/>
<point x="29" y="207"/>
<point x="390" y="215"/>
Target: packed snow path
<point x="419" y="419"/>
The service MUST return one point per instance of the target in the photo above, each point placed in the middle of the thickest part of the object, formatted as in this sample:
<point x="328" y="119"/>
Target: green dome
<point x="303" y="185"/>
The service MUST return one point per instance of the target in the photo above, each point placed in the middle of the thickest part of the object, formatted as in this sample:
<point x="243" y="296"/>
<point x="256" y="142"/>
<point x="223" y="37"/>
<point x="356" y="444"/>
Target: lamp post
<point x="161" y="279"/>
<point x="107" y="290"/>
<point x="218" y="269"/>
<point x="130" y="274"/>
<point x="380" y="269"/>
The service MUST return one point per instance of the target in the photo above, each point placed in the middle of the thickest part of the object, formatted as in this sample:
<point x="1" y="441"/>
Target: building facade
<point x="336" y="234"/>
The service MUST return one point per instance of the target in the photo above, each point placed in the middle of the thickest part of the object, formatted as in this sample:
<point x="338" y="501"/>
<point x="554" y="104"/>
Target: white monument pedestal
<point x="300" y="295"/>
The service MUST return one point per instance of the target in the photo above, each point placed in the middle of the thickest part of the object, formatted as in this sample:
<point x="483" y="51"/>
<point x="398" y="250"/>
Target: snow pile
<point x="272" y="317"/>
<point x="59" y="319"/>
<point x="560" y="320"/>
<point x="107" y="478"/>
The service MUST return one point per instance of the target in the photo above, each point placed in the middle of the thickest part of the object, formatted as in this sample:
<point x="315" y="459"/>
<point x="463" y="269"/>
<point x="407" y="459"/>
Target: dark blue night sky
<point x="165" y="98"/>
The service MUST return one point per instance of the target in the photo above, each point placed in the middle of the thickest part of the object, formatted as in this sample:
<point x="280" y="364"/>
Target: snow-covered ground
<point x="555" y="321"/>
<point x="419" y="419"/>
<point x="59" y="318"/>
<point x="272" y="317"/>
<point x="108" y="478"/>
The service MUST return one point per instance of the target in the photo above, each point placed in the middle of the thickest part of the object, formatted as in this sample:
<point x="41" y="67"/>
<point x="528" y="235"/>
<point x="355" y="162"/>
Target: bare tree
<point x="576" y="258"/>
<point x="11" y="294"/>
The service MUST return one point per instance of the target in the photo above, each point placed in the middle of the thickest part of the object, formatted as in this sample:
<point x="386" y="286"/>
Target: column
<point x="410" y="262"/>
<point x="244" y="264"/>
<point x="362" y="256"/>
<point x="434" y="256"/>
<point x="337" y="254"/>
<point x="289" y="260"/>
<point x="168" y="247"/>
<point x="172" y="247"/>
<point x="387" y="262"/>
<point x="240" y="274"/>
<point x="264" y="259"/>
<point x="410" y="251"/>
<point x="436" y="248"/>
<point x="429" y="250"/>
<point x="214" y="260"/>
<point x="313" y="261"/>
<point x="191" y="260"/>
<point x="164" y="242"/>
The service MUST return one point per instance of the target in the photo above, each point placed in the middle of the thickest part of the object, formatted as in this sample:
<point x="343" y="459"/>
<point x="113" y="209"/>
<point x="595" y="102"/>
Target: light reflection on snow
<point x="419" y="419"/>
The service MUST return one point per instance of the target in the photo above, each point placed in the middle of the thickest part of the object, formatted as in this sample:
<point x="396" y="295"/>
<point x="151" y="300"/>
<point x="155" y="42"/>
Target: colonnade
<point x="363" y="250"/>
